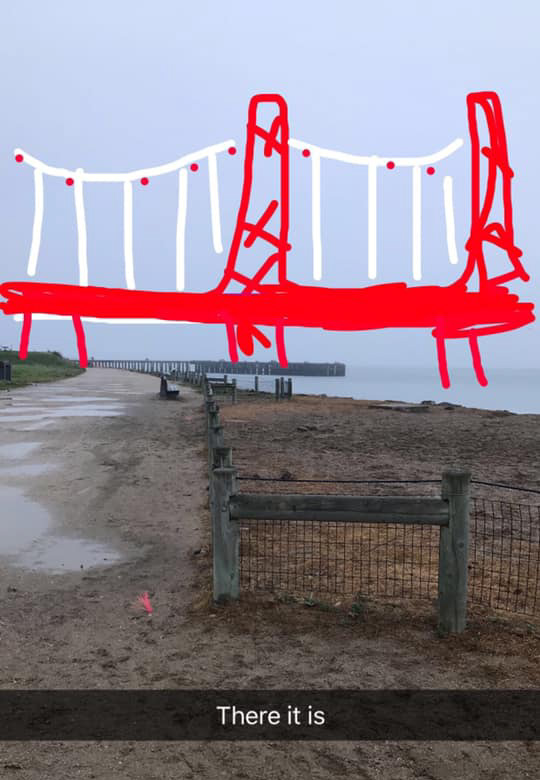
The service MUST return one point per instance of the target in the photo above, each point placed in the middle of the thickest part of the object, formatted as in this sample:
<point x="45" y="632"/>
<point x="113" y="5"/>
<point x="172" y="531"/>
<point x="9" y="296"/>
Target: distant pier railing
<point x="271" y="368"/>
<point x="177" y="367"/>
<point x="250" y="367"/>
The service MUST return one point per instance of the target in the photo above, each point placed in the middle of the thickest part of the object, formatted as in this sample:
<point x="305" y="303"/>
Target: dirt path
<point x="135" y="483"/>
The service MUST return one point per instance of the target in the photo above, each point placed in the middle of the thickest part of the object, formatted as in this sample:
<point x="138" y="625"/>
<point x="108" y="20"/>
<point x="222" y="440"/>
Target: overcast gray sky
<point x="115" y="86"/>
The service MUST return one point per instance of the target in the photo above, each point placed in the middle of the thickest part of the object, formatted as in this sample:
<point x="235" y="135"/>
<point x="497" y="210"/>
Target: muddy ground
<point x="137" y="483"/>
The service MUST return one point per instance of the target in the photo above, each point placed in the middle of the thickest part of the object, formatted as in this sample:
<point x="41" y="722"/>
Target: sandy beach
<point x="125" y="479"/>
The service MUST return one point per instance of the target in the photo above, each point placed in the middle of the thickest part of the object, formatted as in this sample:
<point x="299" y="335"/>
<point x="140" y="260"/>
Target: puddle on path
<point x="58" y="554"/>
<point x="20" y="449"/>
<point x="23" y="409"/>
<point x="22" y="521"/>
<point x="69" y="411"/>
<point x="80" y="399"/>
<point x="27" y="542"/>
<point x="25" y="470"/>
<point x="35" y="427"/>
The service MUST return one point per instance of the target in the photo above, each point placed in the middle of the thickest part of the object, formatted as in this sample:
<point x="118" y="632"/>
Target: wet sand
<point x="131" y="479"/>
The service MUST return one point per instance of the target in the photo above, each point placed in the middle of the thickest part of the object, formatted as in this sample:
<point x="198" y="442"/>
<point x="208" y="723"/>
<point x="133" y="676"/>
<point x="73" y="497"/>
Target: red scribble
<point x="450" y="311"/>
<point x="19" y="158"/>
<point x="390" y="165"/>
<point x="430" y="171"/>
<point x="194" y="167"/>
<point x="81" y="342"/>
<point x="144" y="600"/>
<point x="25" y="336"/>
<point x="144" y="181"/>
<point x="69" y="181"/>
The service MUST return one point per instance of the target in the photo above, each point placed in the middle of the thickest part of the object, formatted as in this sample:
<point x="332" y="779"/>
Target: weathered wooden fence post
<point x="222" y="457"/>
<point x="225" y="537"/>
<point x="210" y="409"/>
<point x="215" y="439"/>
<point x="233" y="390"/>
<point x="213" y="415"/>
<point x="277" y="389"/>
<point x="453" y="553"/>
<point x="282" y="387"/>
<point x="289" y="388"/>
<point x="256" y="383"/>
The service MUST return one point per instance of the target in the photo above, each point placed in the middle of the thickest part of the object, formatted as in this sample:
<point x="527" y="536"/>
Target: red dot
<point x="232" y="150"/>
<point x="144" y="181"/>
<point x="194" y="167"/>
<point x="390" y="164"/>
<point x="306" y="152"/>
<point x="69" y="181"/>
<point x="19" y="157"/>
<point x="430" y="171"/>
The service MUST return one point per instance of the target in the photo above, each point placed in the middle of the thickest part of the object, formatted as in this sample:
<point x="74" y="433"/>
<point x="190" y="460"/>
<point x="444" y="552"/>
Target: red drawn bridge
<point x="246" y="300"/>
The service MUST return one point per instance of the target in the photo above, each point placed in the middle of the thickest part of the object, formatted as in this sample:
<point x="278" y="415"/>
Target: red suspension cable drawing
<point x="451" y="311"/>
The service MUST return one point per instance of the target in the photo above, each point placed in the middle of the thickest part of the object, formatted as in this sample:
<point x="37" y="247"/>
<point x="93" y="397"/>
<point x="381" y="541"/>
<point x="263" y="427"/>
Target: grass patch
<point x="38" y="367"/>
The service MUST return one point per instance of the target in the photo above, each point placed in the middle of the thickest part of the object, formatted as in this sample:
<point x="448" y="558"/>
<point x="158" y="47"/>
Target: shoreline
<point x="508" y="391"/>
<point x="381" y="402"/>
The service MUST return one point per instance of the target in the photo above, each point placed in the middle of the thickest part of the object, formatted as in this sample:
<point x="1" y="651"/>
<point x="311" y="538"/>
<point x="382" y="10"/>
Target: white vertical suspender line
<point x="181" y="228"/>
<point x="38" y="222"/>
<point x="81" y="228"/>
<point x="372" y="219"/>
<point x="416" y="223"/>
<point x="316" y="215"/>
<point x="128" y="235"/>
<point x="449" y="220"/>
<point x="214" y="202"/>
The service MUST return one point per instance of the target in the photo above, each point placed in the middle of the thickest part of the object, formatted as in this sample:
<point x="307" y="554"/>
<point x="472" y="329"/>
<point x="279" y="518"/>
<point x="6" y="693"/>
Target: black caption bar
<point x="487" y="715"/>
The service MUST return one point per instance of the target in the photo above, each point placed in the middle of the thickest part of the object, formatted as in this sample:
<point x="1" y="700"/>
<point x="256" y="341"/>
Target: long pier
<point x="271" y="368"/>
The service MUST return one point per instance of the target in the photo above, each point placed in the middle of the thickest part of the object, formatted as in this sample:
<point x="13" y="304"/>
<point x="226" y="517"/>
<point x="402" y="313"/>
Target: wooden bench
<point x="168" y="389"/>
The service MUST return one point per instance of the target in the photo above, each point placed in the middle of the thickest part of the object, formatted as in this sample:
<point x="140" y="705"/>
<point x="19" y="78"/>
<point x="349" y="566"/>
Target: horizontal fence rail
<point x="374" y="509"/>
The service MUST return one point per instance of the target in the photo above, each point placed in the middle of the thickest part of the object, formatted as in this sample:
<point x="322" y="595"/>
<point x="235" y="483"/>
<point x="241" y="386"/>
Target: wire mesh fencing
<point x="339" y="559"/>
<point x="349" y="560"/>
<point x="504" y="555"/>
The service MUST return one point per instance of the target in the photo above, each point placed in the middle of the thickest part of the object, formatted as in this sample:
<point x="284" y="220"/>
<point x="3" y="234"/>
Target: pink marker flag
<point x="145" y="601"/>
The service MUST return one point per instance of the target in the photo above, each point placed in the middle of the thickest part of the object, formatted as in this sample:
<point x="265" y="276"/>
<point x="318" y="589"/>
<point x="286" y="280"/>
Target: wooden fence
<point x="450" y="513"/>
<point x="214" y="387"/>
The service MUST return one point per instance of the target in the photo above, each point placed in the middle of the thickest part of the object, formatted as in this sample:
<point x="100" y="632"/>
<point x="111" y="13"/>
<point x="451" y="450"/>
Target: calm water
<point x="517" y="390"/>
